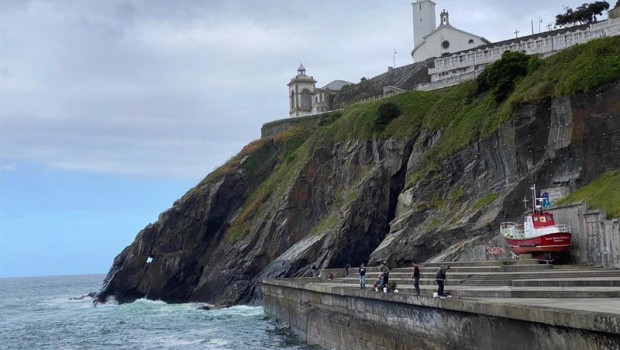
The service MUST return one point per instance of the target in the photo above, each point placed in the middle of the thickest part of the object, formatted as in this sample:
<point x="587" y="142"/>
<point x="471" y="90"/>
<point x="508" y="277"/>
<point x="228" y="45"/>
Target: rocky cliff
<point x="433" y="181"/>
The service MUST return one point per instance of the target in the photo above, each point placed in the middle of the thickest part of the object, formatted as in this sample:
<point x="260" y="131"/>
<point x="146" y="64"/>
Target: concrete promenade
<point x="338" y="314"/>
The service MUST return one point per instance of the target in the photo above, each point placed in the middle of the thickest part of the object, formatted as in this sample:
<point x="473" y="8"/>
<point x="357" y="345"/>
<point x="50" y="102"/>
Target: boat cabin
<point x="542" y="220"/>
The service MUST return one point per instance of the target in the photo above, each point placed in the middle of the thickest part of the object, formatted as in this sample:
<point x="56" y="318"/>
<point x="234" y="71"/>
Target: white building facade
<point x="431" y="41"/>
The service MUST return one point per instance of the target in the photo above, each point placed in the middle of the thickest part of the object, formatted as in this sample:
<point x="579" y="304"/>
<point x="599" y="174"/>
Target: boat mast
<point x="533" y="188"/>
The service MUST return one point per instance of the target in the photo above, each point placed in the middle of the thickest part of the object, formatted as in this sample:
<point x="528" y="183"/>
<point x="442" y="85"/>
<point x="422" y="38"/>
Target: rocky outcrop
<point x="335" y="210"/>
<point x="271" y="212"/>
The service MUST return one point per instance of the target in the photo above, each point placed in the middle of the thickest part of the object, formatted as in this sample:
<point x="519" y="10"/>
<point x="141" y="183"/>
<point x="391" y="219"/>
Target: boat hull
<point x="550" y="243"/>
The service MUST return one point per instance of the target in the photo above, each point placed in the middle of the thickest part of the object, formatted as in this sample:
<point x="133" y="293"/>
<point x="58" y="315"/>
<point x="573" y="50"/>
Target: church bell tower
<point x="423" y="20"/>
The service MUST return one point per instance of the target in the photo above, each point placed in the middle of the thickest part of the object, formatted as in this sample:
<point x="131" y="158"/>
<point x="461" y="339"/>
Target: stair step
<point x="525" y="278"/>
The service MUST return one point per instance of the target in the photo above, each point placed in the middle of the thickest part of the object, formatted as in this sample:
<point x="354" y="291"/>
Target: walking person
<point x="440" y="278"/>
<point x="416" y="277"/>
<point x="385" y="271"/>
<point x="362" y="270"/>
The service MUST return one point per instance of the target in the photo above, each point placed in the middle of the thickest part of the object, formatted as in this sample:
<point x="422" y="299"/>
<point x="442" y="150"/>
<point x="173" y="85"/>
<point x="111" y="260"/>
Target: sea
<point x="47" y="313"/>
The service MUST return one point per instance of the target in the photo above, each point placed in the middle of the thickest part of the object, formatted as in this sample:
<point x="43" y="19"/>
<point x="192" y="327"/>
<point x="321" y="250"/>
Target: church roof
<point x="441" y="27"/>
<point x="336" y="85"/>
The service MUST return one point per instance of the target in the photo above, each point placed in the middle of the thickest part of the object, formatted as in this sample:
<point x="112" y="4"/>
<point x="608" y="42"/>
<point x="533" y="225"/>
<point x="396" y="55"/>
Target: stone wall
<point x="271" y="129"/>
<point x="347" y="318"/>
<point x="405" y="78"/>
<point x="596" y="240"/>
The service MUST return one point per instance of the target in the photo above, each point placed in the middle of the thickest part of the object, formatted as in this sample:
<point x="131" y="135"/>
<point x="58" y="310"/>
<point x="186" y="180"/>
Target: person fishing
<point x="440" y="278"/>
<point x="385" y="272"/>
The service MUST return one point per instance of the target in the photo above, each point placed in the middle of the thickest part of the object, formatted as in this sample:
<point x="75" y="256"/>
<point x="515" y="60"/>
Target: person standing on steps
<point x="385" y="271"/>
<point x="362" y="270"/>
<point x="346" y="270"/>
<point x="440" y="278"/>
<point x="416" y="277"/>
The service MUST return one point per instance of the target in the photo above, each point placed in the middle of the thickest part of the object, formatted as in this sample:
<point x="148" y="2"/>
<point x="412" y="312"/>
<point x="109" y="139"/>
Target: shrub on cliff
<point x="578" y="68"/>
<point x="503" y="73"/>
<point x="482" y="85"/>
<point x="501" y="76"/>
<point x="385" y="114"/>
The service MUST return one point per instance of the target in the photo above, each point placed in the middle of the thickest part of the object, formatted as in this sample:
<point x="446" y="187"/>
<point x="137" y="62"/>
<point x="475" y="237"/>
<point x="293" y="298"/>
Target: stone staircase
<point x="525" y="278"/>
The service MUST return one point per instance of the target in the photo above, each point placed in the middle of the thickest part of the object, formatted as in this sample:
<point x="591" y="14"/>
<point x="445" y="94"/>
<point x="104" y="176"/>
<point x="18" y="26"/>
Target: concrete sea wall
<point x="348" y="318"/>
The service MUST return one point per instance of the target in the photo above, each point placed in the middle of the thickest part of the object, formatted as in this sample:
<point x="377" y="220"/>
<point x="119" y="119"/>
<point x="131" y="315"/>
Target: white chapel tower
<point x="300" y="92"/>
<point x="423" y="20"/>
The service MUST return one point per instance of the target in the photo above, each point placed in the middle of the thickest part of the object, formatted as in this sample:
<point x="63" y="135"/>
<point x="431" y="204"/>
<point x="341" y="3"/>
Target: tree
<point x="584" y="14"/>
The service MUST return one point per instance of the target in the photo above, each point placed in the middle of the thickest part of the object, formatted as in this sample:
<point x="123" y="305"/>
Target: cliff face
<point x="279" y="207"/>
<point x="562" y="142"/>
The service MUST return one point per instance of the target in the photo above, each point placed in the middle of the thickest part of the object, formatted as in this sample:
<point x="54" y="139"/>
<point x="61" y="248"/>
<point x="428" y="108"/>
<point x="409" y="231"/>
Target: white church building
<point x="430" y="40"/>
<point x="458" y="55"/>
<point x="305" y="98"/>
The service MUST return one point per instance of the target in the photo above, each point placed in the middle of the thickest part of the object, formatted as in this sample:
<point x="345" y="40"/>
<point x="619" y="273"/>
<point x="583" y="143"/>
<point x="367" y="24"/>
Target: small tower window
<point x="306" y="99"/>
<point x="471" y="41"/>
<point x="445" y="44"/>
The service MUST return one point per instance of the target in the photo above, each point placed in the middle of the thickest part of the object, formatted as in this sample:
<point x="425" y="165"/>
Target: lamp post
<point x="394" y="58"/>
<point x="539" y="22"/>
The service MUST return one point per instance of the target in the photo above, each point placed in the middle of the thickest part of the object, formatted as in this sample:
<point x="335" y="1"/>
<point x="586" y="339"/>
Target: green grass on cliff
<point x="462" y="117"/>
<point x="295" y="148"/>
<point x="485" y="200"/>
<point x="578" y="68"/>
<point x="602" y="194"/>
<point x="358" y="121"/>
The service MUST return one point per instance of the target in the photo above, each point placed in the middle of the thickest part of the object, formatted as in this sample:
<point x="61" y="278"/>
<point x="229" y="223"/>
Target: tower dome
<point x="301" y="71"/>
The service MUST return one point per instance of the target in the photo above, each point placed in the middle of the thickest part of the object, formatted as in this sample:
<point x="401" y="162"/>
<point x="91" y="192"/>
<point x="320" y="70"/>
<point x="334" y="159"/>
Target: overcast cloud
<point x="174" y="88"/>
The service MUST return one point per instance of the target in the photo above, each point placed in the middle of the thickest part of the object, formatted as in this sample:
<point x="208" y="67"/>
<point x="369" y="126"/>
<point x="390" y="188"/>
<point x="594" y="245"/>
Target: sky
<point x="111" y="110"/>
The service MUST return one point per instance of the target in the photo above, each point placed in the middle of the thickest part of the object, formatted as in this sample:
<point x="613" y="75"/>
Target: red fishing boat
<point x="539" y="235"/>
